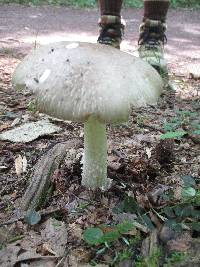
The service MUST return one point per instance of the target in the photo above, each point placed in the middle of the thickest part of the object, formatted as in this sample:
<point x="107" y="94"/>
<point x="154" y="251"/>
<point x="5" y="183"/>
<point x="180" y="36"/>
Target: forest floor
<point x="150" y="216"/>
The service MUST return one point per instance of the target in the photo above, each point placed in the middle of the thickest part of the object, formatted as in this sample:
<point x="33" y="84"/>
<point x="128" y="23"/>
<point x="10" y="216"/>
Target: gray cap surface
<point x="73" y="81"/>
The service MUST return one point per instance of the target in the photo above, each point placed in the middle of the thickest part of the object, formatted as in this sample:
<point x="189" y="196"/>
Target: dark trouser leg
<point x="156" y="9"/>
<point x="110" y="7"/>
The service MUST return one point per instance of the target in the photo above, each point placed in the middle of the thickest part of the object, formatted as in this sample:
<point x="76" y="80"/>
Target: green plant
<point x="133" y="3"/>
<point x="106" y="234"/>
<point x="185" y="3"/>
<point x="106" y="239"/>
<point x="124" y="254"/>
<point x="151" y="261"/>
<point x="185" y="213"/>
<point x="175" y="257"/>
<point x="80" y="208"/>
<point x="185" y="122"/>
<point x="141" y="120"/>
<point x="31" y="106"/>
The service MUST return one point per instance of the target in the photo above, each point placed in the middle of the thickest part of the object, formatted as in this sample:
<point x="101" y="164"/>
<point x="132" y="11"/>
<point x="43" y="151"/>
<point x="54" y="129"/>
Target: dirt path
<point x="22" y="26"/>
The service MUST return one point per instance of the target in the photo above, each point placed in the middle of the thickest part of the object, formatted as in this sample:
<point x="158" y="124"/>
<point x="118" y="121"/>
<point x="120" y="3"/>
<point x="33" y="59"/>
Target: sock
<point x="156" y="9"/>
<point x="110" y="7"/>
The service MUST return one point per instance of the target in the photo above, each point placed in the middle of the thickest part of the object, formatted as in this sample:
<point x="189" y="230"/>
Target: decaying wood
<point x="150" y="244"/>
<point x="43" y="172"/>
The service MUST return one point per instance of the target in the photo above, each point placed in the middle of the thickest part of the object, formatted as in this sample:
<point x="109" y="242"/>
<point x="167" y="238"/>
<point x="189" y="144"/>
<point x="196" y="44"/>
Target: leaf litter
<point x="155" y="185"/>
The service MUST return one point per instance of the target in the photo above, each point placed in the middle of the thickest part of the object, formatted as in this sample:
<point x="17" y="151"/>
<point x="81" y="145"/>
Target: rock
<point x="166" y="234"/>
<point x="181" y="242"/>
<point x="29" y="131"/>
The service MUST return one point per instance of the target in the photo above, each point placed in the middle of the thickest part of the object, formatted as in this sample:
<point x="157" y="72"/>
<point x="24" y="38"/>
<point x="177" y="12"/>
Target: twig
<point x="117" y="153"/>
<point x="60" y="263"/>
<point x="20" y="218"/>
<point x="152" y="127"/>
<point x="12" y="221"/>
<point x="185" y="163"/>
<point x="141" y="227"/>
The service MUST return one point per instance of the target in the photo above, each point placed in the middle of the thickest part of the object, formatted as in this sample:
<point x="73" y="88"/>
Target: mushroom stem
<point x="95" y="155"/>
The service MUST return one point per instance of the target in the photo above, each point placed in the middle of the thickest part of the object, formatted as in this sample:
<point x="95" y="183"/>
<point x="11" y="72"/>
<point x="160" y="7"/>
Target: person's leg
<point x="110" y="22"/>
<point x="152" y="34"/>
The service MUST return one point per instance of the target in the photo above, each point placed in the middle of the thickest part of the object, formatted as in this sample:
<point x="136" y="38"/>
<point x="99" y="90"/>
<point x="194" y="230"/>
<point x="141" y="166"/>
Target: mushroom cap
<point x="73" y="81"/>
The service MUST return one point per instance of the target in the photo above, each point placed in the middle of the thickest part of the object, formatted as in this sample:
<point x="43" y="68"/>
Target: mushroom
<point x="90" y="83"/>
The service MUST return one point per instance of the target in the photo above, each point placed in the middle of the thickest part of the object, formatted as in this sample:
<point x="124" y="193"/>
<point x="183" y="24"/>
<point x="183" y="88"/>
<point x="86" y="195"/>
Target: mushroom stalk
<point x="95" y="155"/>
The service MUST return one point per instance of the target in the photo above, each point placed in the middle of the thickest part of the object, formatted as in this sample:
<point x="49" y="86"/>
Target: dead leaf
<point x="4" y="126"/>
<point x="79" y="257"/>
<point x="4" y="234"/>
<point x="46" y="250"/>
<point x="8" y="256"/>
<point x="55" y="234"/>
<point x="20" y="165"/>
<point x="32" y="240"/>
<point x="35" y="259"/>
<point x="155" y="196"/>
<point x="148" y="152"/>
<point x="76" y="231"/>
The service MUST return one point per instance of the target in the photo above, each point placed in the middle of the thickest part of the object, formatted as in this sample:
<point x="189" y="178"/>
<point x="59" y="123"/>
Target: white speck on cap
<point x="72" y="45"/>
<point x="44" y="76"/>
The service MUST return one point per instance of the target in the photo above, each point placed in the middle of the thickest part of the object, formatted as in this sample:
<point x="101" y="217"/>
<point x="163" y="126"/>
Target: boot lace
<point x="110" y="31"/>
<point x="152" y="36"/>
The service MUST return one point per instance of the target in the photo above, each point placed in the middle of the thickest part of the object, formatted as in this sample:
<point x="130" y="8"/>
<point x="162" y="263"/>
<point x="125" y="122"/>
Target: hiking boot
<point x="151" y="45"/>
<point x="111" y="30"/>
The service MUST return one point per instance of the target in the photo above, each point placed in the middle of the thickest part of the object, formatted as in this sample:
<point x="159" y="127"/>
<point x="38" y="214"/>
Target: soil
<point x="139" y="162"/>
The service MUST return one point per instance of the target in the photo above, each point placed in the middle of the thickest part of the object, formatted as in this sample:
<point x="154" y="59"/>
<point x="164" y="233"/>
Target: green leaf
<point x="127" y="205"/>
<point x="172" y="223"/>
<point x="195" y="226"/>
<point x="183" y="210"/>
<point x="197" y="132"/>
<point x="170" y="135"/>
<point x="169" y="212"/>
<point x="196" y="214"/>
<point x="197" y="198"/>
<point x="110" y="237"/>
<point x="147" y="221"/>
<point x="93" y="236"/>
<point x="124" y="227"/>
<point x="171" y="126"/>
<point x="186" y="113"/>
<point x="167" y="196"/>
<point x="188" y="180"/>
<point x="188" y="192"/>
<point x="32" y="217"/>
<point x="130" y="205"/>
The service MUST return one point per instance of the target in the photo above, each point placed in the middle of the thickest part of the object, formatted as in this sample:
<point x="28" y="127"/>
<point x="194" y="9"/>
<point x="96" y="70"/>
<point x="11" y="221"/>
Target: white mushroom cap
<point x="74" y="81"/>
